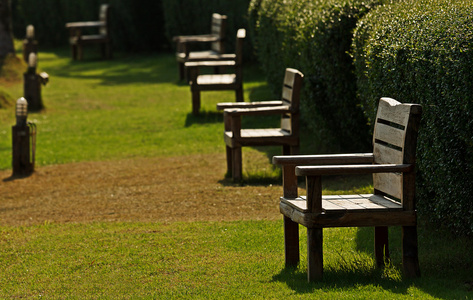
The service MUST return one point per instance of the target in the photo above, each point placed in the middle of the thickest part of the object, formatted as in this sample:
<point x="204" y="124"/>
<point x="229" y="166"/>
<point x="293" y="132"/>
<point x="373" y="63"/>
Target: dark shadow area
<point x="16" y="177"/>
<point x="445" y="260"/>
<point x="296" y="279"/>
<point x="204" y="117"/>
<point x="121" y="69"/>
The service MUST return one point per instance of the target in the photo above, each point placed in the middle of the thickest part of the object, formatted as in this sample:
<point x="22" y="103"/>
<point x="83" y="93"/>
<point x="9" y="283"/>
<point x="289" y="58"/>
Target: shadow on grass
<point x="122" y="69"/>
<point x="445" y="260"/>
<point x="204" y="117"/>
<point x="333" y="280"/>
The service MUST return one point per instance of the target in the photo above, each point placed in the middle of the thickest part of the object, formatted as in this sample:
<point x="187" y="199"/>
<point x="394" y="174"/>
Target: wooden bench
<point x="286" y="136"/>
<point x="392" y="203"/>
<point x="218" y="82"/>
<point x="78" y="40"/>
<point x="216" y="39"/>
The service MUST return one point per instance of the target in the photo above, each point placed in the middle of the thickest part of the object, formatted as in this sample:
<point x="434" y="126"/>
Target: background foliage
<point x="315" y="36"/>
<point x="188" y="17"/>
<point x="135" y="26"/>
<point x="422" y="52"/>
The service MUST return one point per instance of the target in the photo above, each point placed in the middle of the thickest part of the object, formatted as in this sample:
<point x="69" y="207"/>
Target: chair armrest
<point x="196" y="38"/>
<point x="213" y="63"/>
<point x="227" y="105"/>
<point x="325" y="159"/>
<point x="86" y="24"/>
<point x="351" y="169"/>
<point x="256" y="111"/>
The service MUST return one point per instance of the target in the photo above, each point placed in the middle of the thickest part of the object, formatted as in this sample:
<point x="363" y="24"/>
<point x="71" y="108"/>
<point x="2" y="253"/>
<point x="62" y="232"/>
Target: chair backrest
<point x="291" y="91"/>
<point x="394" y="142"/>
<point x="218" y="27"/>
<point x="240" y="37"/>
<point x="104" y="17"/>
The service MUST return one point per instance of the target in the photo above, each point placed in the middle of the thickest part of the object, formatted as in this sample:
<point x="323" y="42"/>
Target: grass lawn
<point x="133" y="108"/>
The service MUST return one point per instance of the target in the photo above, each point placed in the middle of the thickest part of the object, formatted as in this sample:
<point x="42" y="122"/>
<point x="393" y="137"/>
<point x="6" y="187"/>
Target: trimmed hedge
<point x="189" y="17"/>
<point x="136" y="25"/>
<point x="421" y="51"/>
<point x="315" y="37"/>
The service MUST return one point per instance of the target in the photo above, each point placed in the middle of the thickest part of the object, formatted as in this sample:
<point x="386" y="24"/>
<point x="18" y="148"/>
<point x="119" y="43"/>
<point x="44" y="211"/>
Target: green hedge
<point x="136" y="25"/>
<point x="315" y="37"/>
<point x="188" y="17"/>
<point x="421" y="51"/>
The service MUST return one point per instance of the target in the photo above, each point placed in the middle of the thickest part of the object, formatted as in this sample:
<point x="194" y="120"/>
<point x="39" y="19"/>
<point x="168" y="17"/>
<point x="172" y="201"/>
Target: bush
<point x="315" y="37"/>
<point x="136" y="25"/>
<point x="421" y="51"/>
<point x="189" y="17"/>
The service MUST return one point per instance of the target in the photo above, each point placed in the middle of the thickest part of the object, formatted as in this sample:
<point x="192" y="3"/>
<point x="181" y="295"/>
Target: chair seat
<point x="341" y="203"/>
<point x="89" y="39"/>
<point x="197" y="55"/>
<point x="216" y="80"/>
<point x="348" y="211"/>
<point x="264" y="136"/>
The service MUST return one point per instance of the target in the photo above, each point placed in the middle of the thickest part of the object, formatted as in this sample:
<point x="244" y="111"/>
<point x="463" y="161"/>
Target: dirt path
<point x="150" y="190"/>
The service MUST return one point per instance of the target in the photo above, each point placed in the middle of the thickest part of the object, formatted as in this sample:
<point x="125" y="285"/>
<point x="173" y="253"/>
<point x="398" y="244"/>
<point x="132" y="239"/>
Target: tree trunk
<point x="6" y="35"/>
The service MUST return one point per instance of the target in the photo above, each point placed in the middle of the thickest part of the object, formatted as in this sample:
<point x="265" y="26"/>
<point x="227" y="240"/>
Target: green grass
<point x="133" y="106"/>
<point x="222" y="260"/>
<point x="129" y="107"/>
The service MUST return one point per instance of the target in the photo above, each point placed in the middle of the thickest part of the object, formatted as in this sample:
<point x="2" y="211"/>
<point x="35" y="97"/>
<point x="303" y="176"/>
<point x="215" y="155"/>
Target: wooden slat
<point x="393" y="111"/>
<point x="289" y="78"/>
<point x="287" y="93"/>
<point x="389" y="134"/>
<point x="286" y="123"/>
<point x="346" y="203"/>
<point x="386" y="155"/>
<point x="390" y="183"/>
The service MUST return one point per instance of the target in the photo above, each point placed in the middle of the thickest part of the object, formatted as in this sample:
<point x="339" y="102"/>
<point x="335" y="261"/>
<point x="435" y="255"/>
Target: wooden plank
<point x="393" y="111"/>
<point x="389" y="134"/>
<point x="389" y="183"/>
<point x="385" y="201"/>
<point x="286" y="123"/>
<point x="289" y="77"/>
<point x="287" y="93"/>
<point x="385" y="155"/>
<point x="297" y="203"/>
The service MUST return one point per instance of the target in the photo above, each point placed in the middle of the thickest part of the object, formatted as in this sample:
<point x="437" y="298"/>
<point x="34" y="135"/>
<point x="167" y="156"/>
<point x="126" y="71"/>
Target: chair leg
<point x="229" y="161"/>
<point x="74" y="51"/>
<point x="381" y="245"/>
<point x="315" y="261"/>
<point x="286" y="150"/>
<point x="239" y="94"/>
<point x="195" y="101"/>
<point x="181" y="70"/>
<point x="236" y="164"/>
<point x="290" y="150"/>
<point x="80" y="52"/>
<point x="410" y="256"/>
<point x="291" y="242"/>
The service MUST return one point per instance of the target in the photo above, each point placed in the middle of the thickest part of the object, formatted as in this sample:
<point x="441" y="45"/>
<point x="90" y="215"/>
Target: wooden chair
<point x="216" y="39"/>
<point x="78" y="40"/>
<point x="286" y="136"/>
<point x="218" y="82"/>
<point x="392" y="203"/>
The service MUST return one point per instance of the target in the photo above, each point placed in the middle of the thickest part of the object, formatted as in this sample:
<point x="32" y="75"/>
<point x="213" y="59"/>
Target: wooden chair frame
<point x="392" y="164"/>
<point x="216" y="38"/>
<point x="218" y="82"/>
<point x="286" y="136"/>
<point x="78" y="40"/>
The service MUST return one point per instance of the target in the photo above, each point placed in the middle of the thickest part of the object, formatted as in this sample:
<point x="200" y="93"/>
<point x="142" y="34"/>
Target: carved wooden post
<point x="21" y="163"/>
<point x="29" y="43"/>
<point x="32" y="84"/>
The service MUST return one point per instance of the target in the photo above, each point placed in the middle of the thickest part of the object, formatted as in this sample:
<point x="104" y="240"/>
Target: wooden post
<point x="21" y="151"/>
<point x="32" y="91"/>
